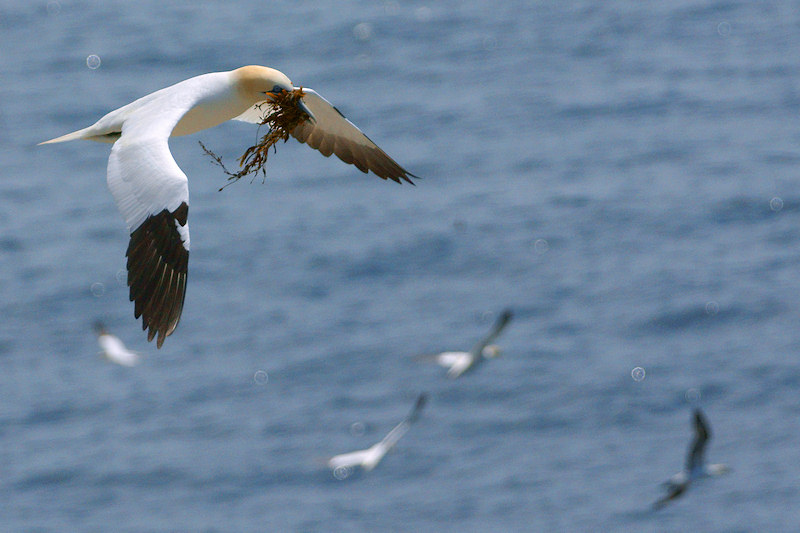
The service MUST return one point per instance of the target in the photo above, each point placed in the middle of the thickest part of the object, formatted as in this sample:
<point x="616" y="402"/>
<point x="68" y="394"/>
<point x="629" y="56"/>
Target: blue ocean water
<point x="622" y="175"/>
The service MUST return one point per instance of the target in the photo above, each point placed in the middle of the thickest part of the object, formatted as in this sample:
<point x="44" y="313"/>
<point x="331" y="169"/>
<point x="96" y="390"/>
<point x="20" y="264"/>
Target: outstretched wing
<point x="497" y="328"/>
<point x="347" y="460"/>
<point x="402" y="428"/>
<point x="152" y="193"/>
<point x="674" y="491"/>
<point x="702" y="433"/>
<point x="332" y="133"/>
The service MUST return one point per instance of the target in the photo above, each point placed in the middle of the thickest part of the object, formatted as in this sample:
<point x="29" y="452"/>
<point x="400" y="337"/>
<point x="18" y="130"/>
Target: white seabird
<point x="369" y="458"/>
<point x="696" y="467"/>
<point x="152" y="192"/>
<point x="114" y="349"/>
<point x="457" y="363"/>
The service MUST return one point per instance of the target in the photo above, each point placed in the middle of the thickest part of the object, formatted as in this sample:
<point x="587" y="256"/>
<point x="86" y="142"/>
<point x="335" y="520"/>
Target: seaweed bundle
<point x="283" y="117"/>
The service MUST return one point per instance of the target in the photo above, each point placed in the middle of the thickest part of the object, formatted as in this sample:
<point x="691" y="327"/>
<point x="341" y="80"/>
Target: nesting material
<point x="283" y="117"/>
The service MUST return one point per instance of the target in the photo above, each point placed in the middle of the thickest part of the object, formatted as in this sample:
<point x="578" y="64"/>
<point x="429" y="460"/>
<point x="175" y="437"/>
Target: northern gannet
<point x="152" y="192"/>
<point x="369" y="458"/>
<point x="457" y="363"/>
<point x="696" y="467"/>
<point x="113" y="348"/>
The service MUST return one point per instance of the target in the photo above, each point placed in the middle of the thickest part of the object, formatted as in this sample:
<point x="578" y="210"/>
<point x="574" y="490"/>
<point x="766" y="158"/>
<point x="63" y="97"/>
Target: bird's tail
<point x="91" y="133"/>
<point x="75" y="135"/>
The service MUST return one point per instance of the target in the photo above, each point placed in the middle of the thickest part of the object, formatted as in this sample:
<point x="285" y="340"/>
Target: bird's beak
<point x="304" y="108"/>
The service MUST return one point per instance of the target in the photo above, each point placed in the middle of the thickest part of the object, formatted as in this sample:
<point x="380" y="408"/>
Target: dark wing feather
<point x="497" y="328"/>
<point x="331" y="133"/>
<point x="400" y="429"/>
<point x="420" y="403"/>
<point x="157" y="268"/>
<point x="701" y="437"/>
<point x="674" y="492"/>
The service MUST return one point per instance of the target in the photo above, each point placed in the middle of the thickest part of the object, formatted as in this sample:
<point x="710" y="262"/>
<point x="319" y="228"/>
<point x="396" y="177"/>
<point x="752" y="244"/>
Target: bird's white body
<point x="458" y="363"/>
<point x="187" y="107"/>
<point x="116" y="351"/>
<point x="366" y="459"/>
<point x="152" y="192"/>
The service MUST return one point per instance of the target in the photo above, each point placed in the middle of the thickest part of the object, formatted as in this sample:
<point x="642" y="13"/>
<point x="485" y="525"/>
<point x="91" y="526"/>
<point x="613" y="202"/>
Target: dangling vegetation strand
<point x="283" y="117"/>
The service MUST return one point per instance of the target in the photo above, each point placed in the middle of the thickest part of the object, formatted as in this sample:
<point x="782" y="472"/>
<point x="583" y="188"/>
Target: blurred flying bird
<point x="696" y="467"/>
<point x="152" y="192"/>
<point x="458" y="363"/>
<point x="113" y="348"/>
<point x="369" y="458"/>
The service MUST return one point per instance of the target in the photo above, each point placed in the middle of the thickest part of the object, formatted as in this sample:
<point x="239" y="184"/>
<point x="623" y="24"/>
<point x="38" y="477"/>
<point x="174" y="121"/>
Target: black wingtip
<point x="421" y="400"/>
<point x="699" y="417"/>
<point x="418" y="405"/>
<point x="157" y="268"/>
<point x="701" y="423"/>
<point x="399" y="179"/>
<point x="408" y="179"/>
<point x="504" y="318"/>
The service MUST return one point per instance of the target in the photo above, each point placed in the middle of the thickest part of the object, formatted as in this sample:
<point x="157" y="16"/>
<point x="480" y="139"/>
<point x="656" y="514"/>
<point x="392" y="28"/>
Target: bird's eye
<point x="277" y="89"/>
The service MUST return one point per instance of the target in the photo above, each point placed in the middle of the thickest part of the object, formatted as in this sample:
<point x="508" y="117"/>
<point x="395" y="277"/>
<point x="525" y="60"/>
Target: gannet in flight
<point x="696" y="467"/>
<point x="369" y="458"/>
<point x="152" y="192"/>
<point x="113" y="348"/>
<point x="457" y="363"/>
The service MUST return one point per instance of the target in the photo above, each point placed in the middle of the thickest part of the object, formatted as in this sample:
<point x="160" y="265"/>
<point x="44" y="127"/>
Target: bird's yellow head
<point x="491" y="351"/>
<point x="257" y="83"/>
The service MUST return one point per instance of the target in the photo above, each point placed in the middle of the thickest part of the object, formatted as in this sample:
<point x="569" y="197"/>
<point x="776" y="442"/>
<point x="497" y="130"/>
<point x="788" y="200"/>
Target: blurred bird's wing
<point x="497" y="328"/>
<point x="674" y="492"/>
<point x="347" y="460"/>
<point x="402" y="428"/>
<point x="702" y="435"/>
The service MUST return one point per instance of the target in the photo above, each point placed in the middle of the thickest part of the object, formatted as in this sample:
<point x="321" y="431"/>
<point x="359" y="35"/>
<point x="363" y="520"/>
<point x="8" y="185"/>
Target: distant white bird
<point x="152" y="192"/>
<point x="369" y="458"/>
<point x="696" y="467"/>
<point x="113" y="348"/>
<point x="458" y="363"/>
